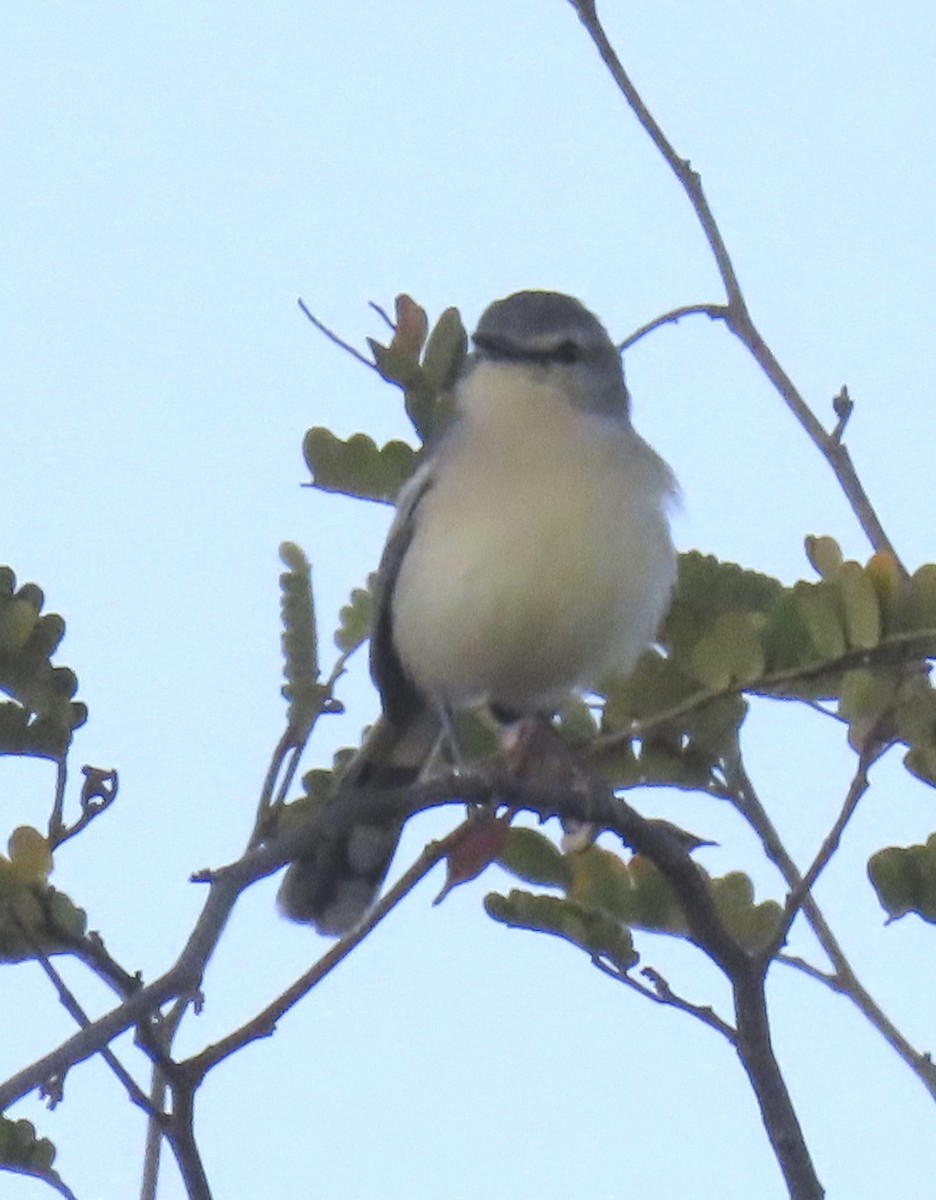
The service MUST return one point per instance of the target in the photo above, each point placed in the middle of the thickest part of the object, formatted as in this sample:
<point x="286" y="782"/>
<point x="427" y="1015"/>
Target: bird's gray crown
<point x="545" y="326"/>
<point x="552" y="330"/>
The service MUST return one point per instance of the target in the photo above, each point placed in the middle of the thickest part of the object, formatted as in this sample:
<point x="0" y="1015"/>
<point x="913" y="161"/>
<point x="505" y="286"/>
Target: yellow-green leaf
<point x="861" y="606"/>
<point x="355" y="618"/>
<point x="818" y="605"/>
<point x="30" y="855"/>
<point x="824" y="554"/>
<point x="357" y="467"/>
<point x="532" y="857"/>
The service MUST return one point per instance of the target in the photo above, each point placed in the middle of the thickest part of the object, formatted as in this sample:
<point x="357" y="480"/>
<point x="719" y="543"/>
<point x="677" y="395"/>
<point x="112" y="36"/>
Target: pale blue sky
<point x="174" y="176"/>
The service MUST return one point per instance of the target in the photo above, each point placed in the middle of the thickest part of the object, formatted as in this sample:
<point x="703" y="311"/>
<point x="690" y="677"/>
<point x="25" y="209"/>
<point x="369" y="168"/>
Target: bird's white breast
<point x="541" y="557"/>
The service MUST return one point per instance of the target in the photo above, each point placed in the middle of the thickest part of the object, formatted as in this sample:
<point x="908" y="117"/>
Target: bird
<point x="530" y="559"/>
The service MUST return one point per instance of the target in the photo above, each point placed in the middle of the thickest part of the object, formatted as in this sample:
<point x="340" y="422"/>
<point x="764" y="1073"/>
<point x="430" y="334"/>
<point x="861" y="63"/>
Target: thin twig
<point x="382" y="312"/>
<point x="98" y="793"/>
<point x="760" y="1063"/>
<point x="265" y="802"/>
<point x="277" y="782"/>
<point x="50" y="1176"/>
<point x="94" y="954"/>
<point x="843" y="406"/>
<point x="264" y="1023"/>
<point x="183" y="978"/>
<point x="748" y="804"/>
<point x="715" y="311"/>
<point x="801" y="964"/>
<point x="660" y="992"/>
<point x="156" y="1037"/>
<point x="333" y="337"/>
<point x="58" y="802"/>
<point x="181" y="1137"/>
<point x="872" y="750"/>
<point x="74" y="1009"/>
<point x="737" y="316"/>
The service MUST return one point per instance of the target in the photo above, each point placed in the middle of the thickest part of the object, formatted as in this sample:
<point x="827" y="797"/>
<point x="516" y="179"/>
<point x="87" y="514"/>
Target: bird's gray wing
<point x="334" y="885"/>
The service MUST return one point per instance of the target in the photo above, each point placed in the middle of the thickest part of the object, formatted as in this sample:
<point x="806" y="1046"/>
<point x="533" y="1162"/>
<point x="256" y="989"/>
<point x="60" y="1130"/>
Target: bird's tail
<point x="336" y="883"/>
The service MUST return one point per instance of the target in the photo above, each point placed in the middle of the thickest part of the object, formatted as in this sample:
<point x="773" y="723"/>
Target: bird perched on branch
<point x="530" y="559"/>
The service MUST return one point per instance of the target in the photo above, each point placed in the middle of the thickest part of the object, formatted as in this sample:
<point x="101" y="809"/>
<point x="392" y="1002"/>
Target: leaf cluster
<point x="858" y="638"/>
<point x="606" y="896"/>
<point x="21" y="1150"/>
<point x="424" y="366"/>
<point x="40" y="715"/>
<point x="904" y="878"/>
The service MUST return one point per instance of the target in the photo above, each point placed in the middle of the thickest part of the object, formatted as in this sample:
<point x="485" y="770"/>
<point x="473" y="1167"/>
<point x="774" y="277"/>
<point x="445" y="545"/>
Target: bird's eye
<point x="567" y="352"/>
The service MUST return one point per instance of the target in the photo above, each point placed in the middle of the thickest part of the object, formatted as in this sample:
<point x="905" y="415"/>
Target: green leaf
<point x="594" y="932"/>
<point x="919" y="606"/>
<point x="732" y="652"/>
<point x="357" y="467"/>
<point x="866" y="695"/>
<point x="17" y="620"/>
<point x="656" y="685"/>
<point x="824" y="554"/>
<point x="21" y="1150"/>
<point x="299" y="639"/>
<point x="706" y="590"/>
<point x="885" y="573"/>
<point x="861" y="607"/>
<point x="532" y="857"/>
<point x="35" y="917"/>
<point x="41" y="716"/>
<point x="445" y="351"/>
<point x="355" y="618"/>
<point x="904" y="878"/>
<point x="920" y="760"/>
<point x="819" y="608"/>
<point x="753" y="925"/>
<point x="431" y="407"/>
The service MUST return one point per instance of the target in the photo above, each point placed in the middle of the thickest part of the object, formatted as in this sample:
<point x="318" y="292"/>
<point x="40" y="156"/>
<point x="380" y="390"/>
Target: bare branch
<point x="807" y="968"/>
<point x="660" y="992"/>
<point x="748" y="804"/>
<point x="181" y="1137"/>
<point x="333" y="337"/>
<point x="98" y="792"/>
<point x="58" y="803"/>
<point x="383" y="314"/>
<point x="265" y="1022"/>
<point x="736" y="315"/>
<point x="717" y="312"/>
<point x="872" y="750"/>
<point x="51" y="1177"/>
<point x="289" y="750"/>
<point x="71" y="1005"/>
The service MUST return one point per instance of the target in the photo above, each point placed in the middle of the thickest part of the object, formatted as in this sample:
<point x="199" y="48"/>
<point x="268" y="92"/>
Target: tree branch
<point x="71" y="1005"/>
<point x="760" y="1062"/>
<point x="660" y="992"/>
<point x="596" y="805"/>
<point x="333" y="337"/>
<point x="265" y="1022"/>
<point x="736" y="314"/>
<point x="872" y="750"/>
<point x="844" y="980"/>
<point x="717" y="312"/>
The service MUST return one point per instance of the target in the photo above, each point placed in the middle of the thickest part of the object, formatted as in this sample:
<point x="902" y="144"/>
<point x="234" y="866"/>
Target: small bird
<point x="530" y="559"/>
